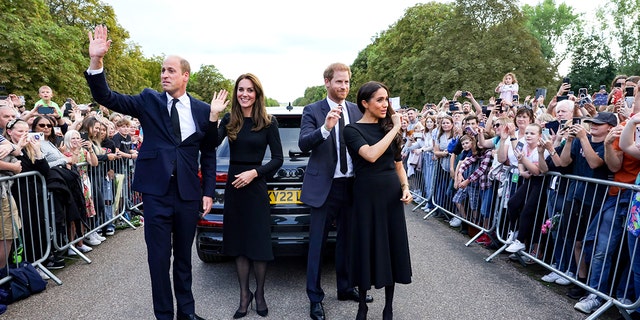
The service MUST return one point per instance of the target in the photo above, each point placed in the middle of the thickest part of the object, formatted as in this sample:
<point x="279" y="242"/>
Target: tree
<point x="311" y="94"/>
<point x="207" y="81"/>
<point x="591" y="64"/>
<point x="437" y="49"/>
<point x="554" y="27"/>
<point x="623" y="20"/>
<point x="391" y="58"/>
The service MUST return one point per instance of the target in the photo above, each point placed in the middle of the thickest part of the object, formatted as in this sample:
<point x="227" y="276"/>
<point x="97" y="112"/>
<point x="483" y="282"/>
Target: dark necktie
<point x="343" y="148"/>
<point x="175" y="120"/>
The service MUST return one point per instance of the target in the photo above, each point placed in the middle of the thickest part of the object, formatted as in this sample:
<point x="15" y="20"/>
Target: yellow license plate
<point x="284" y="197"/>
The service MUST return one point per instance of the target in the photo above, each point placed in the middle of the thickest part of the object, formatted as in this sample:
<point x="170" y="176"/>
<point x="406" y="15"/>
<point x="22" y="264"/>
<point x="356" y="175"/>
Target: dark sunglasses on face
<point x="496" y="125"/>
<point x="45" y="125"/>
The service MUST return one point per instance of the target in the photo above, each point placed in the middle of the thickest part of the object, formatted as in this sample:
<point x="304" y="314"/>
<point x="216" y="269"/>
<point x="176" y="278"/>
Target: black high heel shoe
<point x="264" y="312"/>
<point x="362" y="312"/>
<point x="239" y="314"/>
<point x="387" y="314"/>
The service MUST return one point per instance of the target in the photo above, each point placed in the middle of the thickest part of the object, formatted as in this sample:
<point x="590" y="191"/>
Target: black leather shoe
<point x="192" y="316"/>
<point x="316" y="312"/>
<point x="353" y="295"/>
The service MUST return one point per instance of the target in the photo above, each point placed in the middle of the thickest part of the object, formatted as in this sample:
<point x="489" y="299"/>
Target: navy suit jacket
<point x="324" y="155"/>
<point x="160" y="153"/>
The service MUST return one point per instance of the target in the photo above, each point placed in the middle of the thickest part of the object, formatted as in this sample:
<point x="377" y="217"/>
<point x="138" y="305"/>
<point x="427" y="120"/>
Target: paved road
<point x="450" y="281"/>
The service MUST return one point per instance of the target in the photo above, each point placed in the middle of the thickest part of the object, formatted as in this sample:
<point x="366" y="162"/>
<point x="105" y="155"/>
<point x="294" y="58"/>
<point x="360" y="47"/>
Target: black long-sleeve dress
<point x="379" y="247"/>
<point x="247" y="219"/>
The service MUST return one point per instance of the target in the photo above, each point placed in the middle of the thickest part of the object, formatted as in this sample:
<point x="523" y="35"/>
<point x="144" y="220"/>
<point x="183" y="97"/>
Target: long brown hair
<point x="258" y="112"/>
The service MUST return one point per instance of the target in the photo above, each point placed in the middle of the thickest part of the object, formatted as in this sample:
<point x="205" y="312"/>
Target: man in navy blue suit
<point x="178" y="129"/>
<point x="328" y="181"/>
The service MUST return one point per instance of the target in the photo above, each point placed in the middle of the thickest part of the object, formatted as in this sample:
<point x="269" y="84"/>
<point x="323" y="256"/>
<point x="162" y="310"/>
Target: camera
<point x="576" y="120"/>
<point x="465" y="93"/>
<point x="566" y="80"/>
<point x="582" y="92"/>
<point x="515" y="98"/>
<point x="36" y="135"/>
<point x="603" y="87"/>
<point x="452" y="106"/>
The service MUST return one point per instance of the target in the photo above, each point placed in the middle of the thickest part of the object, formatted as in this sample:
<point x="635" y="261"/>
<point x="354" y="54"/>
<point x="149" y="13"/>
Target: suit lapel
<point x="194" y="113"/>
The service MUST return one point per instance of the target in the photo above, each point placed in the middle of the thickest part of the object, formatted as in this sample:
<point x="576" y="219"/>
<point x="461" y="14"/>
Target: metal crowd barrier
<point x="30" y="225"/>
<point x="432" y="189"/>
<point x="569" y="225"/>
<point x="27" y="237"/>
<point x="110" y="181"/>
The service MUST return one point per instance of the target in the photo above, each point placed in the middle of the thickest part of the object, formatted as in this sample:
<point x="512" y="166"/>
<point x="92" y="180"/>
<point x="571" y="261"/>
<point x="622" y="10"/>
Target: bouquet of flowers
<point x="550" y="223"/>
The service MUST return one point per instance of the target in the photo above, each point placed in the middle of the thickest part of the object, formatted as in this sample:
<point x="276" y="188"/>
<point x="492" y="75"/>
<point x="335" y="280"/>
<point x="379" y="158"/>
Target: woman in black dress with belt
<point x="247" y="231"/>
<point x="379" y="243"/>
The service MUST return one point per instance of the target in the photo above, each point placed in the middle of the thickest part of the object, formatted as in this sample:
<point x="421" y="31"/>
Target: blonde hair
<point x="513" y="76"/>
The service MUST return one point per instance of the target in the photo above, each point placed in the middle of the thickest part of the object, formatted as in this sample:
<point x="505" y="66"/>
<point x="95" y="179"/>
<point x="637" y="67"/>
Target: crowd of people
<point x="76" y="148"/>
<point x="457" y="153"/>
<point x="463" y="153"/>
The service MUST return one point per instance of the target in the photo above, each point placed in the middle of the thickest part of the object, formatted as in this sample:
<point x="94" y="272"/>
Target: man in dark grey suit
<point x="178" y="129"/>
<point x="328" y="182"/>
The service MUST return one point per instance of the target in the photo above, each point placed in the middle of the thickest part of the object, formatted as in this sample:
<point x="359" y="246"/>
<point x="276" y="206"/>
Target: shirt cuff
<point x="325" y="133"/>
<point x="94" y="72"/>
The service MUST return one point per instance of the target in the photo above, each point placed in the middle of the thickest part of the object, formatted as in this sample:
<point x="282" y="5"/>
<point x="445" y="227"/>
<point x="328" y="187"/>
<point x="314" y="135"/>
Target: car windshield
<point x="289" y="127"/>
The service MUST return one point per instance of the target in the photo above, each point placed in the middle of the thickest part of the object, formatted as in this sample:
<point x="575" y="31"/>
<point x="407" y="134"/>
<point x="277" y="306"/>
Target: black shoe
<point x="316" y="311"/>
<point x="55" y="264"/>
<point x="353" y="295"/>
<point x="239" y="314"/>
<point x="576" y="292"/>
<point x="192" y="316"/>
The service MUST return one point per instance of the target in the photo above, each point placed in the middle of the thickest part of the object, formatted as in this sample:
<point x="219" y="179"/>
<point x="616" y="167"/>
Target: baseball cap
<point x="604" y="117"/>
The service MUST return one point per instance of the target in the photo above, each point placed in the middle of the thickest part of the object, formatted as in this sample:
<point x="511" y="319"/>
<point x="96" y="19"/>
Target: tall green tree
<point x="311" y="94"/>
<point x="623" y="20"/>
<point x="437" y="49"/>
<point x="35" y="51"/>
<point x="206" y="81"/>
<point x="591" y="64"/>
<point x="393" y="55"/>
<point x="556" y="27"/>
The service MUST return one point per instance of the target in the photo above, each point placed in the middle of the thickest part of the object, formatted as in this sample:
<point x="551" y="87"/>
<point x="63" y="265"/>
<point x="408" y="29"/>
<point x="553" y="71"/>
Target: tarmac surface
<point x="450" y="281"/>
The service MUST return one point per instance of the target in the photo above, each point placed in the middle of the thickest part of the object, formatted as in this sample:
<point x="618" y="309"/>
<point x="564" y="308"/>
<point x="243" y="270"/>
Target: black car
<point x="289" y="216"/>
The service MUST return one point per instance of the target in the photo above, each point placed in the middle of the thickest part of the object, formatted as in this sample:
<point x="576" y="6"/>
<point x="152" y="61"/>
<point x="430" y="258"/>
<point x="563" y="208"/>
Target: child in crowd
<point x="466" y="189"/>
<point x="508" y="87"/>
<point x="46" y="94"/>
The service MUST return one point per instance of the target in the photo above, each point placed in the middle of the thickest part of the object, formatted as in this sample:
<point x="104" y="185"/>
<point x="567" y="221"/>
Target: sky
<point x="287" y="44"/>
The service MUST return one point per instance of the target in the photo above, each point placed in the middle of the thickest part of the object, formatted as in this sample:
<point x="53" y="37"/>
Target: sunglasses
<point x="496" y="125"/>
<point x="45" y="125"/>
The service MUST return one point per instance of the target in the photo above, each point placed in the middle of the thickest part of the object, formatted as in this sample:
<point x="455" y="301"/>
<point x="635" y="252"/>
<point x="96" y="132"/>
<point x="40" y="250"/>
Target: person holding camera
<point x="508" y="87"/>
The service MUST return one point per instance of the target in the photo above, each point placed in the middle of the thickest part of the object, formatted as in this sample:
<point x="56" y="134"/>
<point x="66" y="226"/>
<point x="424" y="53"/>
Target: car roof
<point x="288" y="110"/>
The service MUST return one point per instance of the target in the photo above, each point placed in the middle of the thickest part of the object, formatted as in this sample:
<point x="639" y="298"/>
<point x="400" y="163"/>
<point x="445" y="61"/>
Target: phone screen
<point x="519" y="146"/>
<point x="576" y="120"/>
<point x="45" y="110"/>
<point x="600" y="99"/>
<point x="628" y="92"/>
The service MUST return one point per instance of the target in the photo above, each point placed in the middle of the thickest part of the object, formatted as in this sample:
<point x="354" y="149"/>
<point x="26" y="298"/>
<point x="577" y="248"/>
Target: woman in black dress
<point x="379" y="243"/>
<point x="247" y="220"/>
